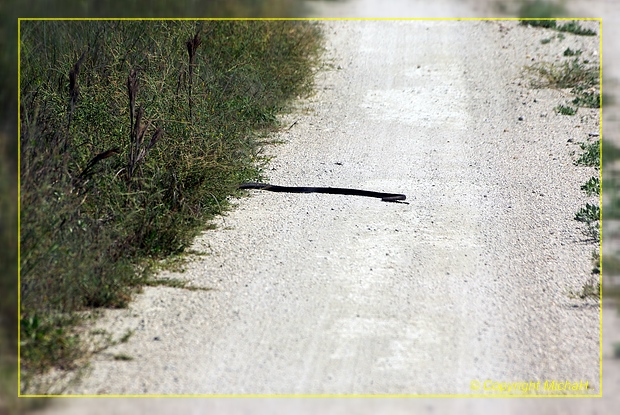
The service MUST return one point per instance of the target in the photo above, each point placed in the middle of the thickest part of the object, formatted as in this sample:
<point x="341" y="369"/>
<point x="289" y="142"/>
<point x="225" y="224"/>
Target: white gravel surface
<point x="322" y="294"/>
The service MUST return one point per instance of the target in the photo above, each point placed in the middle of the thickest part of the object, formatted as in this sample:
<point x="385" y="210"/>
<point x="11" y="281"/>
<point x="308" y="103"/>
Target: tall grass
<point x="133" y="134"/>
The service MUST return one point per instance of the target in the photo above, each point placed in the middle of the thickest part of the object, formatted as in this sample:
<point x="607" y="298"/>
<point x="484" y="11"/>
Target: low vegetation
<point x="582" y="78"/>
<point x="133" y="135"/>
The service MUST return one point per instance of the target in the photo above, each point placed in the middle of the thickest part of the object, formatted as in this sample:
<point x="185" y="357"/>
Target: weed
<point x="565" y="110"/>
<point x="576" y="29"/>
<point x="545" y="41"/>
<point x="570" y="52"/>
<point x="589" y="213"/>
<point x="123" y="357"/>
<point x="571" y="74"/>
<point x="592" y="186"/>
<point x="126" y="336"/>
<point x="591" y="155"/>
<point x="591" y="289"/>
<point x="586" y="99"/>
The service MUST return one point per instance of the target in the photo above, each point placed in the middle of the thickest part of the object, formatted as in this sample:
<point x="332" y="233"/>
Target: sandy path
<point x="321" y="294"/>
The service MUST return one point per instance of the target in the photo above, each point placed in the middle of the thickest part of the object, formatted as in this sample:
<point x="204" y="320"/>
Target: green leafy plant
<point x="591" y="155"/>
<point x="566" y="110"/>
<point x="576" y="29"/>
<point x="586" y="99"/>
<point x="570" y="52"/>
<point x="588" y="213"/>
<point x="592" y="186"/>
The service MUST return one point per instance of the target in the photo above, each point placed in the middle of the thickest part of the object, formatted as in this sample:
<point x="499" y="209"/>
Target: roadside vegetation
<point x="581" y="78"/>
<point x="133" y="135"/>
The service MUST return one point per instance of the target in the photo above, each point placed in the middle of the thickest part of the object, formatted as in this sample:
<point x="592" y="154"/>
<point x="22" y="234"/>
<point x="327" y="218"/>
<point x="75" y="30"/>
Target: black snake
<point x="386" y="197"/>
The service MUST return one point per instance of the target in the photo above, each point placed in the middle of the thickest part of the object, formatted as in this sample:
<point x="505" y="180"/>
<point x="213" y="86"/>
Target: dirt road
<point x="322" y="294"/>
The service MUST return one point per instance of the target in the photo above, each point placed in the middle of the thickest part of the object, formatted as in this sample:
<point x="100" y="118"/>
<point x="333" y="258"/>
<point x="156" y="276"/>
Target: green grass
<point x="569" y="27"/>
<point x="125" y="166"/>
<point x="570" y="52"/>
<point x="566" y="110"/>
<point x="576" y="29"/>
<point x="586" y="99"/>
<point x="568" y="74"/>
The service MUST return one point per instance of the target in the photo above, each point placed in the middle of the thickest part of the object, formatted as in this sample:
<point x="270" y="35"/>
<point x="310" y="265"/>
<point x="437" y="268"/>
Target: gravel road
<point x="324" y="294"/>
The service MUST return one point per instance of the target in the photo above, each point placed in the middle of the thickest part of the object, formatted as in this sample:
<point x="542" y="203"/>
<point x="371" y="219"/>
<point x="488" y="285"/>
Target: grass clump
<point x="566" y="110"/>
<point x="568" y="74"/>
<point x="570" y="52"/>
<point x="133" y="135"/>
<point x="586" y="99"/>
<point x="576" y="29"/>
<point x="591" y="289"/>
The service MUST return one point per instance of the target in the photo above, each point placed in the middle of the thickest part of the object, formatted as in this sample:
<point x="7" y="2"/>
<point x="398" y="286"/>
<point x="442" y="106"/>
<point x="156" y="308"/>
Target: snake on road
<point x="386" y="197"/>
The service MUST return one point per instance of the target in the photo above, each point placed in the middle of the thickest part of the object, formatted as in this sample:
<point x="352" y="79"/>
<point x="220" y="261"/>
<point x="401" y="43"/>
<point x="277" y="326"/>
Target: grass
<point x="574" y="74"/>
<point x="133" y="135"/>
<point x="591" y="289"/>
<point x="576" y="29"/>
<point x="566" y="110"/>
<point x="570" y="27"/>
<point x="586" y="99"/>
<point x="570" y="52"/>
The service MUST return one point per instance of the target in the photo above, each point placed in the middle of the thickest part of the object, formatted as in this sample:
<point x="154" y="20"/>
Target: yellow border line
<point x="490" y="395"/>
<point x="600" y="243"/>
<point x="302" y="18"/>
<point x="19" y="211"/>
<point x="317" y="395"/>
